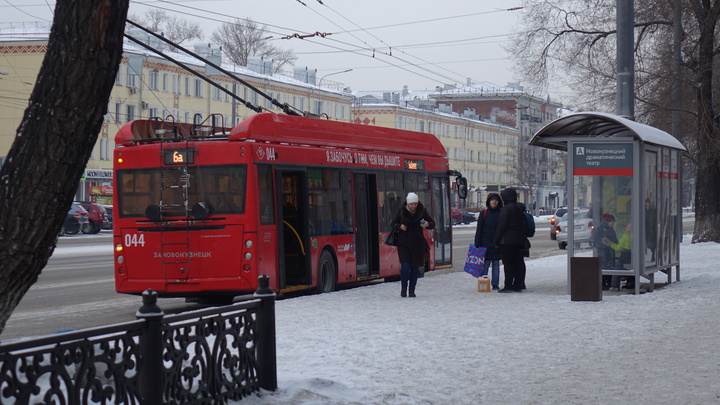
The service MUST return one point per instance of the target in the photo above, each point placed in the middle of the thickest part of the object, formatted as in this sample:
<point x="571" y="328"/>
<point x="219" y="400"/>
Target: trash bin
<point x="585" y="279"/>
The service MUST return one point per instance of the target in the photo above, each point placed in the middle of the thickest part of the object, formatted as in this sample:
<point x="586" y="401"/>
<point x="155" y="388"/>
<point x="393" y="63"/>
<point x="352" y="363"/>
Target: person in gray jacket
<point x="510" y="238"/>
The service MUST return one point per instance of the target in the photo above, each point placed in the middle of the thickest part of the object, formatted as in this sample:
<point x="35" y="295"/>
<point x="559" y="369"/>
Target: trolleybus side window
<point x="390" y="196"/>
<point x="329" y="192"/>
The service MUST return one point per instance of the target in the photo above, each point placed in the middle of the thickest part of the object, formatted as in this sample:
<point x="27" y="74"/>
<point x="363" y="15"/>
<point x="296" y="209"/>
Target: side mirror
<point x="462" y="187"/>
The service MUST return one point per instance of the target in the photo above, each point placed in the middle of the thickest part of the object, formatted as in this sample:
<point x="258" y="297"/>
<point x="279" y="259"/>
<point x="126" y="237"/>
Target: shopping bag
<point x="475" y="262"/>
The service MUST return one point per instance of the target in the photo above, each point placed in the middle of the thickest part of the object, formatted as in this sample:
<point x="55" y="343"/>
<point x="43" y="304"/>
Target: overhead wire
<point x="369" y="50"/>
<point x="397" y="48"/>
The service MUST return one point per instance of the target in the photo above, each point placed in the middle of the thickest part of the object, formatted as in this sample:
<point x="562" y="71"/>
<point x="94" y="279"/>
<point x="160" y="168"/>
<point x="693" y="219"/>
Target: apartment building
<point x="479" y="149"/>
<point x="148" y="86"/>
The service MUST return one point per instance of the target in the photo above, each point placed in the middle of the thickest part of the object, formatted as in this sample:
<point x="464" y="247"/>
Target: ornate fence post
<point x="266" y="356"/>
<point x="150" y="381"/>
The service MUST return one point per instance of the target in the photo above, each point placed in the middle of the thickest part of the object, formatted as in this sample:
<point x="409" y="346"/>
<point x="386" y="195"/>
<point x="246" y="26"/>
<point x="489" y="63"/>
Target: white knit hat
<point x="412" y="198"/>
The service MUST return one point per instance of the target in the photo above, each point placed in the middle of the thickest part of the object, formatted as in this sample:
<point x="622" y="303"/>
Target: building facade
<point x="149" y="86"/>
<point x="543" y="173"/>
<point x="480" y="150"/>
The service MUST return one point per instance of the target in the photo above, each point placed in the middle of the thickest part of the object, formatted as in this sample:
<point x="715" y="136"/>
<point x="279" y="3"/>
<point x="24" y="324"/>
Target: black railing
<point x="209" y="356"/>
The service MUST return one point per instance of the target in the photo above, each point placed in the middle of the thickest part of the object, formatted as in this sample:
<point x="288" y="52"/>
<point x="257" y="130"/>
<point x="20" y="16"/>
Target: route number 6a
<point x="134" y="240"/>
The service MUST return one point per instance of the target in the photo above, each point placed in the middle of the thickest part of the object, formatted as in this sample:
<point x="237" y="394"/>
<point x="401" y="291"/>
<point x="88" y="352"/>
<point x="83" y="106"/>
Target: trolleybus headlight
<point x="120" y="259"/>
<point x="248" y="256"/>
<point x="248" y="243"/>
<point x="118" y="248"/>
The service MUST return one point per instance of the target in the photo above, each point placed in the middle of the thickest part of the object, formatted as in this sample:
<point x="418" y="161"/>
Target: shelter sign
<point x="603" y="159"/>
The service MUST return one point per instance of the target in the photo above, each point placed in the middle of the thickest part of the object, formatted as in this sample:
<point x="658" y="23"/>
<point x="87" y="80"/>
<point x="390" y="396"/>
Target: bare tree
<point x="244" y="38"/>
<point x="55" y="138"/>
<point x="173" y="28"/>
<point x="576" y="38"/>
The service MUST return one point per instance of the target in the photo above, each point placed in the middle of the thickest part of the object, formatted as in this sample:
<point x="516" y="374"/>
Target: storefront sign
<point x="97" y="174"/>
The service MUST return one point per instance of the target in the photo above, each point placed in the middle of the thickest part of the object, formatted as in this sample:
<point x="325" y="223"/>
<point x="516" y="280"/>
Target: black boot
<point x="403" y="293"/>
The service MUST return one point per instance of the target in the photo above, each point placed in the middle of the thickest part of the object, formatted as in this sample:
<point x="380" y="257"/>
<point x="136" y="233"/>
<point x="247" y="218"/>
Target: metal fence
<point x="209" y="356"/>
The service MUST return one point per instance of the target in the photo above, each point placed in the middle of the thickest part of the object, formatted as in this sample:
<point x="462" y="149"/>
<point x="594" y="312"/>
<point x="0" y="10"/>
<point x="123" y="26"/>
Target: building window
<point x="131" y="79"/>
<point x="118" y="76"/>
<point x="104" y="149"/>
<point x="176" y="84"/>
<point x="165" y="82"/>
<point x="317" y="107"/>
<point x="153" y="82"/>
<point x="129" y="112"/>
<point x="118" y="113"/>
<point x="198" y="88"/>
<point x="187" y="85"/>
<point x="216" y="93"/>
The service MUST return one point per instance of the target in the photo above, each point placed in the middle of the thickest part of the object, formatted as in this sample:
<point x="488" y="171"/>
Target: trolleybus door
<point x="293" y="247"/>
<point x="441" y="214"/>
<point x="366" y="224"/>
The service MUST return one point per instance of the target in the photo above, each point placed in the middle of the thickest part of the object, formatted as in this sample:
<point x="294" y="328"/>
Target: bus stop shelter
<point x="628" y="171"/>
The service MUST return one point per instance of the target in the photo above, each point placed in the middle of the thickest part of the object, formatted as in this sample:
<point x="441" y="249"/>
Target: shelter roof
<point x="598" y="125"/>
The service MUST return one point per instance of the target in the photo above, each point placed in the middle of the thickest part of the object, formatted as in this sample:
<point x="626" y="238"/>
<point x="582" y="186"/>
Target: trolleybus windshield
<point x="176" y="189"/>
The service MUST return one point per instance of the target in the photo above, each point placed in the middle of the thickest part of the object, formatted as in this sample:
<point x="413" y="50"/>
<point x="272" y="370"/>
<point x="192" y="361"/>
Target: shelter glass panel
<point x="602" y="184"/>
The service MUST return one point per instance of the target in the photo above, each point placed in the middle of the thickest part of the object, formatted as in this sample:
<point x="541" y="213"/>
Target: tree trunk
<point x="55" y="138"/>
<point x="707" y="195"/>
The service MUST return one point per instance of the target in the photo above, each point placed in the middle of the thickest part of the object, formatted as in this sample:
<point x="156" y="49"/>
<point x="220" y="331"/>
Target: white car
<point x="583" y="226"/>
<point x="555" y="220"/>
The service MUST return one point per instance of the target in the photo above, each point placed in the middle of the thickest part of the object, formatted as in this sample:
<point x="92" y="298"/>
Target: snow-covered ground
<point x="453" y="345"/>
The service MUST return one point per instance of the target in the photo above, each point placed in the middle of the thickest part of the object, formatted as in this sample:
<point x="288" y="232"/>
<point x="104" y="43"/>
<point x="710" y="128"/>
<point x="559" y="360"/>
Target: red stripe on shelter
<point x="603" y="172"/>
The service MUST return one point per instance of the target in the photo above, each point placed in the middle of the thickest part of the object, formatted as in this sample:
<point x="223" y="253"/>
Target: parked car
<point x="582" y="226"/>
<point x="459" y="216"/>
<point x="75" y="220"/>
<point x="97" y="216"/>
<point x="108" y="212"/>
<point x="555" y="220"/>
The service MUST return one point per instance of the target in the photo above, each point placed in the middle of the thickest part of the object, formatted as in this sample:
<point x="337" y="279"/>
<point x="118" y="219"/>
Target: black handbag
<point x="392" y="238"/>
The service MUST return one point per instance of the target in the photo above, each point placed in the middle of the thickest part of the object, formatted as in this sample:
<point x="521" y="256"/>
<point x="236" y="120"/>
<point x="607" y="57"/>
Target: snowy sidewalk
<point x="453" y="345"/>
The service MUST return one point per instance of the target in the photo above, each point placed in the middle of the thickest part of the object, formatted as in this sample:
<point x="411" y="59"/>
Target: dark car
<point x="459" y="216"/>
<point x="97" y="216"/>
<point x="75" y="220"/>
<point x="108" y="215"/>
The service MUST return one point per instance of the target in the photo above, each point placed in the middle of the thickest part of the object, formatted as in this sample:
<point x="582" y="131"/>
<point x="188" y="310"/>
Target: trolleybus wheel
<point x="326" y="273"/>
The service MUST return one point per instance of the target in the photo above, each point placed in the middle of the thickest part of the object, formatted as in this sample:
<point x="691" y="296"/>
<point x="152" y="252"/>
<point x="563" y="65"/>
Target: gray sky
<point x="388" y="44"/>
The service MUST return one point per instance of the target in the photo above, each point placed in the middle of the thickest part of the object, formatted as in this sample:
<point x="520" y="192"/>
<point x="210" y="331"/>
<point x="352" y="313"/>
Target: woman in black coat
<point x="485" y="235"/>
<point x="412" y="248"/>
<point x="510" y="237"/>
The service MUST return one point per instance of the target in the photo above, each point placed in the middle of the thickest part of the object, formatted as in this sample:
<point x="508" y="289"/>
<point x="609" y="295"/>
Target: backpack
<point x="529" y="225"/>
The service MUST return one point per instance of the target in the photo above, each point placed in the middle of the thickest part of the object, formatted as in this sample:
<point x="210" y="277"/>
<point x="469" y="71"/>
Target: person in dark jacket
<point x="510" y="238"/>
<point x="606" y="230"/>
<point x="485" y="234"/>
<point x="411" y="219"/>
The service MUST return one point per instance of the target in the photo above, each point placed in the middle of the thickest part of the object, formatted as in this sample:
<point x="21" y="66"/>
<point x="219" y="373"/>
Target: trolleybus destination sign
<point x="602" y="159"/>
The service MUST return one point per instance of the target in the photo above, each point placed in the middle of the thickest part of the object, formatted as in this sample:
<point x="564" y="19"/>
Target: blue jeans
<point x="495" y="278"/>
<point x="408" y="272"/>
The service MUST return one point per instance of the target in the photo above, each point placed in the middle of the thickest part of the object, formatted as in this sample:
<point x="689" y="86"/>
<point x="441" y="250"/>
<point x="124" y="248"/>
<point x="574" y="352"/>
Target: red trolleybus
<point x="201" y="211"/>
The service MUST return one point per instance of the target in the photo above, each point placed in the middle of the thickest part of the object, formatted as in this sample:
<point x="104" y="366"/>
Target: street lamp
<point x="330" y="74"/>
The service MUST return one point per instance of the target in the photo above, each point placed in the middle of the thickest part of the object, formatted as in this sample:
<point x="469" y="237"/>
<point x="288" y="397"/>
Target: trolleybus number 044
<point x="134" y="240"/>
